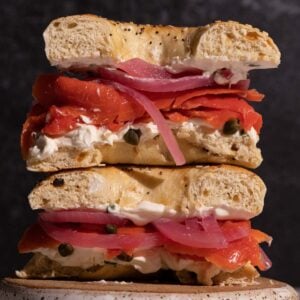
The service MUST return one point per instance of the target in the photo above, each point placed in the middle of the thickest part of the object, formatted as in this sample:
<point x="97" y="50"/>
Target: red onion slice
<point x="156" y="84"/>
<point x="265" y="260"/>
<point x="158" y="119"/>
<point x="236" y="230"/>
<point x="193" y="223"/>
<point x="189" y="236"/>
<point x="210" y="224"/>
<point x="139" y="68"/>
<point x="97" y="240"/>
<point x="79" y="216"/>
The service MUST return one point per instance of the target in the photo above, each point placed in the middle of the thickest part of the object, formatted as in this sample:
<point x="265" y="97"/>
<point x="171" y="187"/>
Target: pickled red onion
<point x="81" y="216"/>
<point x="156" y="84"/>
<point x="107" y="241"/>
<point x="236" y="230"/>
<point x="265" y="261"/>
<point x="158" y="119"/>
<point x="140" y="68"/>
<point x="190" y="236"/>
<point x="210" y="224"/>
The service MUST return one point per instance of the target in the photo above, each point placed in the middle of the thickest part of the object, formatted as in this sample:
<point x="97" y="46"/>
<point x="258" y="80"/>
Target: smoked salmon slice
<point x="250" y="95"/>
<point x="64" y="91"/>
<point x="234" y="256"/>
<point x="65" y="101"/>
<point x="33" y="238"/>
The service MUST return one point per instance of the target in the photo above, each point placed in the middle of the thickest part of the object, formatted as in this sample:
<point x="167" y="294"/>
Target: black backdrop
<point x="22" y="58"/>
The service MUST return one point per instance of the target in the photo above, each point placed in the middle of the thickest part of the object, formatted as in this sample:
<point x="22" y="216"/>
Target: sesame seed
<point x="183" y="40"/>
<point x="156" y="32"/>
<point x="160" y="43"/>
<point x="110" y="34"/>
<point x="169" y="34"/>
<point x="150" y="42"/>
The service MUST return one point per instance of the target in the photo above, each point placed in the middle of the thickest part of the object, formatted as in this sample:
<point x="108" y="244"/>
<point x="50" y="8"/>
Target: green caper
<point x="110" y="208"/>
<point x="132" y="136"/>
<point x="243" y="132"/>
<point x="110" y="228"/>
<point x="124" y="257"/>
<point x="65" y="249"/>
<point x="231" y="126"/>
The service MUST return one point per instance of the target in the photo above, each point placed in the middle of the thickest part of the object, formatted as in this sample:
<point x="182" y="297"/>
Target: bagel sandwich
<point x="137" y="223"/>
<point x="146" y="95"/>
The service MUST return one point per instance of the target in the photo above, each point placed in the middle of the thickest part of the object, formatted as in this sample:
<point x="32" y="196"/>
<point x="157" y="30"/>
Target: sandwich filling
<point x="136" y="95"/>
<point x="89" y="238"/>
<point x="194" y="131"/>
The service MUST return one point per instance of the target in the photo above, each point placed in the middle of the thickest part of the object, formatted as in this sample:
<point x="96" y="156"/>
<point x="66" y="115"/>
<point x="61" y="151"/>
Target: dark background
<point x="22" y="58"/>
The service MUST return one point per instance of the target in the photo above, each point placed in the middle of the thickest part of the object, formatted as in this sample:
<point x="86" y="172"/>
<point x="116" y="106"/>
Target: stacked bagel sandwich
<point x="141" y="126"/>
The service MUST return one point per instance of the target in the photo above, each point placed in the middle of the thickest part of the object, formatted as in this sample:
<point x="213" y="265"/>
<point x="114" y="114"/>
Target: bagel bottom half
<point x="42" y="267"/>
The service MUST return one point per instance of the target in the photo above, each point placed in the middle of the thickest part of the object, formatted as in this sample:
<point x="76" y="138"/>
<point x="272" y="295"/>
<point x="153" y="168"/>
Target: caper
<point x="231" y="126"/>
<point x="65" y="249"/>
<point x="110" y="208"/>
<point x="124" y="256"/>
<point x="132" y="136"/>
<point x="110" y="228"/>
<point x="243" y="132"/>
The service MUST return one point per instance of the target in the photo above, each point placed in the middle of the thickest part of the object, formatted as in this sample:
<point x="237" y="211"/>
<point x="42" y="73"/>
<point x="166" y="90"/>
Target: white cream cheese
<point x="239" y="69"/>
<point x="210" y="67"/>
<point x="143" y="213"/>
<point x="146" y="212"/>
<point x="146" y="261"/>
<point x="86" y="136"/>
<point x="83" y="257"/>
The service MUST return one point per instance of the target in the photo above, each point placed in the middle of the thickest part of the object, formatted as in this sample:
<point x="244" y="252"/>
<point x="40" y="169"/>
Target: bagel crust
<point x="86" y="41"/>
<point x="41" y="266"/>
<point x="145" y="194"/>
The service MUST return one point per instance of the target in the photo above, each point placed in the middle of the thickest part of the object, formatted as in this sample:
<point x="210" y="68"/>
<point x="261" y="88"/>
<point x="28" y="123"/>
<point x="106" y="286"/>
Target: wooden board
<point x="13" y="288"/>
